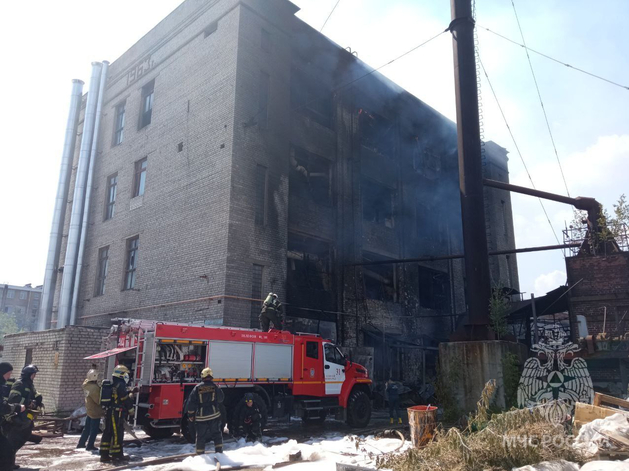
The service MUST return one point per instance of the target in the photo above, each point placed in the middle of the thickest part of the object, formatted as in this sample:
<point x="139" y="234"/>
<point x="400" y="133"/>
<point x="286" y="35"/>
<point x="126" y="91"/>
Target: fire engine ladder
<point x="139" y="368"/>
<point x="143" y="365"/>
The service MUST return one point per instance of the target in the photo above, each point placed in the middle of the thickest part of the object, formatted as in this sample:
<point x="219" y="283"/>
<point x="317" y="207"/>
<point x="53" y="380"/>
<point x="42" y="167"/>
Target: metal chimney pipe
<point x="478" y="287"/>
<point x="58" y="217"/>
<point x="88" y="195"/>
<point x="78" y="200"/>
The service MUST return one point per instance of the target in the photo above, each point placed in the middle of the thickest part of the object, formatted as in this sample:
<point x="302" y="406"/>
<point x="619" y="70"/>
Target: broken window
<point x="380" y="280"/>
<point x="434" y="289"/>
<point x="309" y="263"/>
<point x="310" y="176"/>
<point x="425" y="159"/>
<point x="377" y="202"/>
<point x="311" y="98"/>
<point x="377" y="133"/>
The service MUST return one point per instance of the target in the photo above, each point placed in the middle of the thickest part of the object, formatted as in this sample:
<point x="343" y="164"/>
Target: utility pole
<point x="478" y="289"/>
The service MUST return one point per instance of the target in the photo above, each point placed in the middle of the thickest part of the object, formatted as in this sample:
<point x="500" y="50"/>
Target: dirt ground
<point x="60" y="453"/>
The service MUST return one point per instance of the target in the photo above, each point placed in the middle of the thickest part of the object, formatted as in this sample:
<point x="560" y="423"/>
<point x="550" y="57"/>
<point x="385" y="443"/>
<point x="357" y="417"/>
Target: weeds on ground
<point x="510" y="439"/>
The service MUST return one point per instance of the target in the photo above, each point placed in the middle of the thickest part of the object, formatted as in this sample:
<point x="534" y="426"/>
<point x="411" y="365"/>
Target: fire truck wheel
<point x="157" y="433"/>
<point x="237" y="419"/>
<point x="358" y="409"/>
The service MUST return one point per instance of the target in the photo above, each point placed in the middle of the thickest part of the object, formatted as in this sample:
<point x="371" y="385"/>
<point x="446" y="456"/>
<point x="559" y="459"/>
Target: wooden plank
<point x="604" y="399"/>
<point x="586" y="413"/>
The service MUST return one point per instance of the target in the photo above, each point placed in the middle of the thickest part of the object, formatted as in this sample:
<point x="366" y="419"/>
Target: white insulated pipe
<point x="78" y="200"/>
<point x="88" y="195"/>
<point x="61" y="200"/>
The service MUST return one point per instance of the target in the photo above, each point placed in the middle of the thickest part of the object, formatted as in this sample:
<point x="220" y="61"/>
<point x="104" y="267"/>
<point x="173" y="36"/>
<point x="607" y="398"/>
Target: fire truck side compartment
<point x="231" y="360"/>
<point x="273" y="362"/>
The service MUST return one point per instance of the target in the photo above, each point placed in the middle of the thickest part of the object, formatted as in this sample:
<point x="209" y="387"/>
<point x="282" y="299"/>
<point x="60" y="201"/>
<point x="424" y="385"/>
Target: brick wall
<point x="601" y="291"/>
<point x="59" y="356"/>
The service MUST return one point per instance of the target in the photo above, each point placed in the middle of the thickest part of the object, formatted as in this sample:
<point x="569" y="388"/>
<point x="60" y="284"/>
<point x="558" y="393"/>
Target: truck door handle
<point x="343" y="370"/>
<point x="327" y="367"/>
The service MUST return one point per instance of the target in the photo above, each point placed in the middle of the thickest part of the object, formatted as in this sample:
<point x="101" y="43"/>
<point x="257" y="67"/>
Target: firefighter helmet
<point x="92" y="375"/>
<point x="207" y="373"/>
<point x="272" y="300"/>
<point x="249" y="397"/>
<point x="121" y="372"/>
<point x="29" y="370"/>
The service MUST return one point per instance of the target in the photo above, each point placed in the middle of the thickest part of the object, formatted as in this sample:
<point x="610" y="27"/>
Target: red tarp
<point x="108" y="353"/>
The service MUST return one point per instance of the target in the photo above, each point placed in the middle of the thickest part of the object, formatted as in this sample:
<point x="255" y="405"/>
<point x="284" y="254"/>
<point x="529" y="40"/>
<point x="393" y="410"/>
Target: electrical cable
<point x="517" y="147"/>
<point x="626" y="87"/>
<point x="326" y="21"/>
<point x="539" y="95"/>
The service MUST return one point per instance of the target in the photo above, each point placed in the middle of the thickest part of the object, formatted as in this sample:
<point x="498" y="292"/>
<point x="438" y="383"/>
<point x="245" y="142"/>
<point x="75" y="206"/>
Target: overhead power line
<point x="517" y="148"/>
<point x="326" y="20"/>
<point x="541" y="102"/>
<point x="626" y="87"/>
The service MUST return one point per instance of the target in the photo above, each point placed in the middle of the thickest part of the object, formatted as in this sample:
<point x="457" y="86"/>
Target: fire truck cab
<point x="288" y="374"/>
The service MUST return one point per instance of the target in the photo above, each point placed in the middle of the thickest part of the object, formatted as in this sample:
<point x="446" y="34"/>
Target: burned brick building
<point x="239" y="152"/>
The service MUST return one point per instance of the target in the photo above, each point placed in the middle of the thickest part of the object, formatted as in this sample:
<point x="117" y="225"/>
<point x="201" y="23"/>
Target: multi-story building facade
<point x="241" y="152"/>
<point x="22" y="302"/>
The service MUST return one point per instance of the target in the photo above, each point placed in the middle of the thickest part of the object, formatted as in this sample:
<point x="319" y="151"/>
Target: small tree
<point x="498" y="310"/>
<point x="7" y="326"/>
<point x="611" y="227"/>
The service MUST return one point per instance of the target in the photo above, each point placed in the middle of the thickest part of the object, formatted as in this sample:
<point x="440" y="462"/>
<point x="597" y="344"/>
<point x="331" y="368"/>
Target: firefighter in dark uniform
<point x="271" y="312"/>
<point x="203" y="411"/>
<point x="7" y="454"/>
<point x="20" y="426"/>
<point x="116" y="412"/>
<point x="252" y="424"/>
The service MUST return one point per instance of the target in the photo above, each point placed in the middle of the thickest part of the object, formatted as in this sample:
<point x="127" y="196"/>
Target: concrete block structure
<point x="58" y="354"/>
<point x="242" y="152"/>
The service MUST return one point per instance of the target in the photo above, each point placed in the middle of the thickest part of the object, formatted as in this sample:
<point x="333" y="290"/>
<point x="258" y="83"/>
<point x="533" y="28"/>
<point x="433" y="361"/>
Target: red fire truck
<point x="298" y="374"/>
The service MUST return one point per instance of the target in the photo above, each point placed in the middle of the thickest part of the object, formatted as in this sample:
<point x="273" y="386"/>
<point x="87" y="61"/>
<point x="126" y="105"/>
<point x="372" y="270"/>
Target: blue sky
<point x="589" y="118"/>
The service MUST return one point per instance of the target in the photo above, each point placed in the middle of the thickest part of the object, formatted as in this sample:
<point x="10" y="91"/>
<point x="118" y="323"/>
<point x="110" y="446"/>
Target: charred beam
<point x="452" y="257"/>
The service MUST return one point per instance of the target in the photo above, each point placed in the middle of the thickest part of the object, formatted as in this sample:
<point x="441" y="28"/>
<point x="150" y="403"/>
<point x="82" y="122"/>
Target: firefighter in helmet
<point x="20" y="426"/>
<point x="7" y="454"/>
<point x="252" y="423"/>
<point x="204" y="412"/>
<point x="271" y="312"/>
<point x="117" y="409"/>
